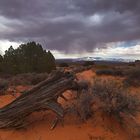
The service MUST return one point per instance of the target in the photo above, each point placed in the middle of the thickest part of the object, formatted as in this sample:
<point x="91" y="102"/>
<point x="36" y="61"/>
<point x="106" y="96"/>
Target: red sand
<point x="72" y="129"/>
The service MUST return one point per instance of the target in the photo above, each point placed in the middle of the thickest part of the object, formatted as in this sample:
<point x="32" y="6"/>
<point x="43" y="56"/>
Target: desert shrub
<point x="114" y="99"/>
<point x="82" y="104"/>
<point x="109" y="72"/>
<point x="82" y="107"/>
<point x="38" y="78"/>
<point x="63" y="65"/>
<point x="79" y="69"/>
<point x="81" y="85"/>
<point x="102" y="66"/>
<point x="132" y="78"/>
<point x="3" y="85"/>
<point x="88" y="63"/>
<point x="27" y="79"/>
<point x="137" y="61"/>
<point x="132" y="64"/>
<point x="104" y="72"/>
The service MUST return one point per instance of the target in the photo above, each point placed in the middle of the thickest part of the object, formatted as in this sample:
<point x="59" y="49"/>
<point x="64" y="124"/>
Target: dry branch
<point x="42" y="97"/>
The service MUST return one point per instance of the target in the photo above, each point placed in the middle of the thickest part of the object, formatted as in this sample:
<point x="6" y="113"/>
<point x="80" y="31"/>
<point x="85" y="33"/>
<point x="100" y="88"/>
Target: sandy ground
<point x="71" y="129"/>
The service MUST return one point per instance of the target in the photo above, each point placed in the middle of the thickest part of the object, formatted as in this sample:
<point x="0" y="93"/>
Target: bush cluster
<point x="132" y="77"/>
<point x="27" y="79"/>
<point x="63" y="65"/>
<point x="112" y="72"/>
<point x="84" y="106"/>
<point x="88" y="63"/>
<point x="114" y="99"/>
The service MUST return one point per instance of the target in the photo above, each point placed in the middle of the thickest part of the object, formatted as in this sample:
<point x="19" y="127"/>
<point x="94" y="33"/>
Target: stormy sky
<point x="73" y="28"/>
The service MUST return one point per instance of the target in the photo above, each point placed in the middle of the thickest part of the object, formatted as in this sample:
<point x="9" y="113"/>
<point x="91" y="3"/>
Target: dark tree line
<point x="30" y="57"/>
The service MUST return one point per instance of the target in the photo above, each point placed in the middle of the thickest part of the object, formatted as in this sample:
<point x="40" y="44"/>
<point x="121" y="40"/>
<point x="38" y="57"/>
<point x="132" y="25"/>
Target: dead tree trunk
<point x="41" y="97"/>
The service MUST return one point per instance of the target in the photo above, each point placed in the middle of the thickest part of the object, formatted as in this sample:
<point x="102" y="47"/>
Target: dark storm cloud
<point x="93" y="6"/>
<point x="68" y="25"/>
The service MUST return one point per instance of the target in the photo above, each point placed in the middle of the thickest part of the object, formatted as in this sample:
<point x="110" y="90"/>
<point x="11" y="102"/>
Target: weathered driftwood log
<point x="41" y="97"/>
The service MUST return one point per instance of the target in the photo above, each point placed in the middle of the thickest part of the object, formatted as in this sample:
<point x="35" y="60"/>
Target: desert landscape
<point x="69" y="70"/>
<point x="108" y="109"/>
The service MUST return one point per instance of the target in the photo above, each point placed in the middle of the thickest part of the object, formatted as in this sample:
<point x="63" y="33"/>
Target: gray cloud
<point x="69" y="25"/>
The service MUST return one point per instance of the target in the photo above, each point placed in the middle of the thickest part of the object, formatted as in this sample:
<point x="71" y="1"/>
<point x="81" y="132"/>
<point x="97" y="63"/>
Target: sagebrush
<point x="114" y="99"/>
<point x="133" y="77"/>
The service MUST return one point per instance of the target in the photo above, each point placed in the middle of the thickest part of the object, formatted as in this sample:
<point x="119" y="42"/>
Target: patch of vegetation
<point x="112" y="72"/>
<point x="78" y="69"/>
<point x="114" y="99"/>
<point x="102" y="66"/>
<point x="83" y="106"/>
<point x="27" y="79"/>
<point x="63" y="65"/>
<point x="137" y="61"/>
<point x="132" y="64"/>
<point x="3" y="85"/>
<point x="132" y="78"/>
<point x="88" y="63"/>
